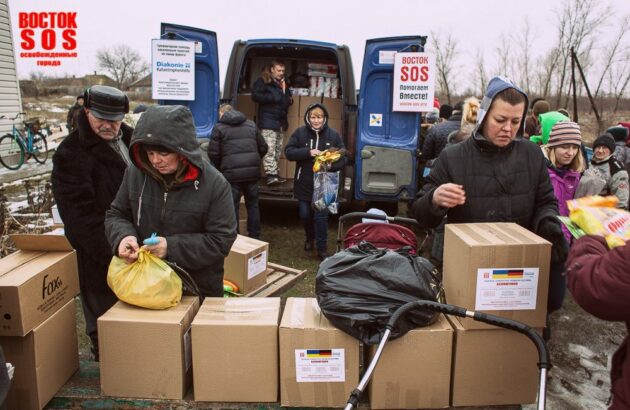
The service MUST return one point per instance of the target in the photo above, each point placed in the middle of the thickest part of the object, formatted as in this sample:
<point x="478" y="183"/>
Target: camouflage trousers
<point x="271" y="159"/>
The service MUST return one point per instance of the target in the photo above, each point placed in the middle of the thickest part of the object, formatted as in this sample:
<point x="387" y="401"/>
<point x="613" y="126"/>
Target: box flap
<point x="250" y="311"/>
<point x="493" y="234"/>
<point x="15" y="260"/>
<point x="123" y="312"/>
<point x="304" y="313"/>
<point x="244" y="244"/>
<point x="33" y="242"/>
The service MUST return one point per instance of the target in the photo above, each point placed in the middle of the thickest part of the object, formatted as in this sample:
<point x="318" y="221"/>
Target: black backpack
<point x="359" y="288"/>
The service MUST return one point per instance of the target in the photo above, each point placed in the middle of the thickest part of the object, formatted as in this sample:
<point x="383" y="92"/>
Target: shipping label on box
<point x="320" y="365"/>
<point x="506" y="289"/>
<point x="257" y="264"/>
<point x="35" y="282"/>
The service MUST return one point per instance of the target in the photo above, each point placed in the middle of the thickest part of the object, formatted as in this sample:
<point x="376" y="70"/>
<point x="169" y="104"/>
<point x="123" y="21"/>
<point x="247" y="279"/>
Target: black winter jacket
<point x="236" y="147"/>
<point x="437" y="137"/>
<point x="273" y="104"/>
<point x="196" y="215"/>
<point x="86" y="175"/>
<point x="509" y="184"/>
<point x="303" y="140"/>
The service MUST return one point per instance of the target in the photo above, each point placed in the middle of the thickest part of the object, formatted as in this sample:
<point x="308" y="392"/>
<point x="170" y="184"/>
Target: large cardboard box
<point x="246" y="263"/>
<point x="335" y="125"/>
<point x="235" y="350"/>
<point x="414" y="371"/>
<point x="44" y="359"/>
<point x="498" y="268"/>
<point x="305" y="102"/>
<point x="35" y="282"/>
<point x="247" y="106"/>
<point x="334" y="106"/>
<point x="319" y="364"/>
<point x="493" y="367"/>
<point x="146" y="353"/>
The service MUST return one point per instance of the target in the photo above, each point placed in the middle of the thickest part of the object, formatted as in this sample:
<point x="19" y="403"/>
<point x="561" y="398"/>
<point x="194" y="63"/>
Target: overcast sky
<point x="475" y="24"/>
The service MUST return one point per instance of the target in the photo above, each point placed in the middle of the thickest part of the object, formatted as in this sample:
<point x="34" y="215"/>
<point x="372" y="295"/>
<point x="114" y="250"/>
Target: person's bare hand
<point x="128" y="249"/>
<point x="449" y="196"/>
<point x="315" y="152"/>
<point x="159" y="250"/>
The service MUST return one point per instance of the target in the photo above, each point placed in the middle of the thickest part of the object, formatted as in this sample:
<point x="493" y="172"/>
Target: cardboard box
<point x="334" y="106"/>
<point x="493" y="367"/>
<point x="246" y="263"/>
<point x="319" y="364"/>
<point x="290" y="171"/>
<point x="294" y="109"/>
<point x="35" y="282"/>
<point x="498" y="268"/>
<point x="235" y="350"/>
<point x="305" y="102"/>
<point x="247" y="106"/>
<point x="294" y="124"/>
<point x="146" y="353"/>
<point x="335" y="125"/>
<point x="414" y="371"/>
<point x="44" y="359"/>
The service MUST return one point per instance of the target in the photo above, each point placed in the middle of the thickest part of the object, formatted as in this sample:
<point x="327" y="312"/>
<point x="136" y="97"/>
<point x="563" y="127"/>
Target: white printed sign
<point x="257" y="264"/>
<point x="414" y="82"/>
<point x="320" y="365"/>
<point x="506" y="288"/>
<point x="386" y="56"/>
<point x="173" y="70"/>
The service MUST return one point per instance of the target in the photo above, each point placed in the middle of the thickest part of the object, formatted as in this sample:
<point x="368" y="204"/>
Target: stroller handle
<point x="543" y="352"/>
<point x="393" y="219"/>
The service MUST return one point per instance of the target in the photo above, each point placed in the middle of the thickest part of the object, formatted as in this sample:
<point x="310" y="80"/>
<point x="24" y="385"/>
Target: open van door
<point x="205" y="105"/>
<point x="386" y="140"/>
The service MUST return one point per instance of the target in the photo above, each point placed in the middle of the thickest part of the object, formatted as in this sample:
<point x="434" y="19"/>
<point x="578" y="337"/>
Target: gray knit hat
<point x="564" y="132"/>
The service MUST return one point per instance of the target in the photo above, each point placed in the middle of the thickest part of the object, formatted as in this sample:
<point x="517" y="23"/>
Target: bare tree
<point x="505" y="61"/>
<point x="123" y="63"/>
<point x="525" y="42"/>
<point x="579" y="22"/>
<point x="619" y="79"/>
<point x="480" y="75"/>
<point x="445" y="54"/>
<point x="613" y="54"/>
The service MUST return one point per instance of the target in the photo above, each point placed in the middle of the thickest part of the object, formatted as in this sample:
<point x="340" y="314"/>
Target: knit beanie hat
<point x="618" y="132"/>
<point x="565" y="132"/>
<point x="540" y="107"/>
<point x="446" y="111"/>
<point x="605" y="140"/>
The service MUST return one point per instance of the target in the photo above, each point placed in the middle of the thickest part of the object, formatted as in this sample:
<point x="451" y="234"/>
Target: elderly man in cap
<point x="88" y="169"/>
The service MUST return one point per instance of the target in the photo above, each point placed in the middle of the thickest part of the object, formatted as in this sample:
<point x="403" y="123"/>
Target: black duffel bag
<point x="359" y="288"/>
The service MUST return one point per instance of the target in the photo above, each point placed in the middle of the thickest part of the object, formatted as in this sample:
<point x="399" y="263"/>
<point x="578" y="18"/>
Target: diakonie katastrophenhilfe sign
<point x="414" y="82"/>
<point x="173" y="70"/>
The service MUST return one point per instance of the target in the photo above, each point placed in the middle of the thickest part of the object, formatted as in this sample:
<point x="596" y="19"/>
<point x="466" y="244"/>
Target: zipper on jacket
<point x="164" y="208"/>
<point x="299" y="172"/>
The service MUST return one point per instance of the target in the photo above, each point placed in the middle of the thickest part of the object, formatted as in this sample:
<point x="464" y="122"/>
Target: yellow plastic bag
<point x="597" y="215"/>
<point x="148" y="282"/>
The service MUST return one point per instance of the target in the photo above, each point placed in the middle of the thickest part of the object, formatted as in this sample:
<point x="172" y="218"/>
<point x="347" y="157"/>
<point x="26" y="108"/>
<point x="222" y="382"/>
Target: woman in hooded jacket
<point x="172" y="191"/>
<point x="304" y="145"/>
<point x="564" y="165"/>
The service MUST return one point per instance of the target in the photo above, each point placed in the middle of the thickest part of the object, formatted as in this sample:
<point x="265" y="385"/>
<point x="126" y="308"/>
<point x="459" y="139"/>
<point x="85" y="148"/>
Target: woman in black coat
<point x="304" y="145"/>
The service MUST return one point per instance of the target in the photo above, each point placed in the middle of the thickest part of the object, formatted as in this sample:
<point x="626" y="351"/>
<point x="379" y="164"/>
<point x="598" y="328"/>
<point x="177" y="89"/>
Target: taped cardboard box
<point x="246" y="263"/>
<point x="35" y="282"/>
<point x="493" y="367"/>
<point x="498" y="268"/>
<point x="414" y="371"/>
<point x="247" y="106"/>
<point x="334" y="106"/>
<point x="305" y="102"/>
<point x="146" y="353"/>
<point x="319" y="364"/>
<point x="44" y="359"/>
<point x="235" y="350"/>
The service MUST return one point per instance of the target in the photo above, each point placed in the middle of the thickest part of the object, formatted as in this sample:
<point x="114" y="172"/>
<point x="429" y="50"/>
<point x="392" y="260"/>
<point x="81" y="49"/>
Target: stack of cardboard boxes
<point x="38" y="334"/>
<point x="502" y="269"/>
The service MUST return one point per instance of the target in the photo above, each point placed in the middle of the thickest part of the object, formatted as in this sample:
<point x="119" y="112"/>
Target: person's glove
<point x="551" y="230"/>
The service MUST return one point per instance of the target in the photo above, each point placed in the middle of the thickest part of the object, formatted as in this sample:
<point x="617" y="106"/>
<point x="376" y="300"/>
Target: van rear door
<point x="386" y="140"/>
<point x="205" y="105"/>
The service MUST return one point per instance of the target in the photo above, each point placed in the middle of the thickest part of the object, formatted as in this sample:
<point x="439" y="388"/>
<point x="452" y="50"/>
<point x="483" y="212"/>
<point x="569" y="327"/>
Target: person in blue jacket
<point x="304" y="145"/>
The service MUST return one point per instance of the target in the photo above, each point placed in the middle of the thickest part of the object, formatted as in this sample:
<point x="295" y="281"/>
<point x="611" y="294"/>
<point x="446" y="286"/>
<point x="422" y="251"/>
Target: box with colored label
<point x="319" y="364"/>
<point x="246" y="263"/>
<point x="498" y="268"/>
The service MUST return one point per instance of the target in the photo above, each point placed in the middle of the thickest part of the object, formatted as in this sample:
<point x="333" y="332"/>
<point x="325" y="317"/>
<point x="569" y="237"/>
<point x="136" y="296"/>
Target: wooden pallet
<point x="279" y="280"/>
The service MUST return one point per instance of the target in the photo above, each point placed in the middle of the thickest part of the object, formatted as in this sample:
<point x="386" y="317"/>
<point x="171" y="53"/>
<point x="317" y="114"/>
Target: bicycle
<point x="15" y="145"/>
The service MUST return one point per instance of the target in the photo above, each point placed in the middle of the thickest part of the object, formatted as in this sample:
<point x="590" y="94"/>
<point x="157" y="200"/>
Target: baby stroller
<point x="380" y="234"/>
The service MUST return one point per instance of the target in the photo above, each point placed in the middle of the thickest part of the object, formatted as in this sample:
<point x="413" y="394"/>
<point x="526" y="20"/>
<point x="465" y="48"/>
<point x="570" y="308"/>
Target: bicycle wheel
<point x="11" y="152"/>
<point x="40" y="148"/>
